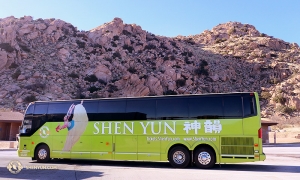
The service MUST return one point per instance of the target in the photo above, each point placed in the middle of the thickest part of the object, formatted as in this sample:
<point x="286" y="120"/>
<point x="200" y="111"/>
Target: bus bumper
<point x="262" y="157"/>
<point x="23" y="153"/>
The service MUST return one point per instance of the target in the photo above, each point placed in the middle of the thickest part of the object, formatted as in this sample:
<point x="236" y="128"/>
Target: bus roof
<point x="142" y="97"/>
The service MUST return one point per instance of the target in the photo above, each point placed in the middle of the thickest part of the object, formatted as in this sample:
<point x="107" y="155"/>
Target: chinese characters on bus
<point x="209" y="126"/>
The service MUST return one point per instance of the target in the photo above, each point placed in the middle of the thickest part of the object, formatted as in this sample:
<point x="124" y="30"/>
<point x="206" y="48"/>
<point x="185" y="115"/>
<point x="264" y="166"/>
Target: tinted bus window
<point x="172" y="108"/>
<point x="91" y="108"/>
<point x="29" y="109"/>
<point x="57" y="110"/>
<point x="249" y="106"/>
<point x="233" y="107"/>
<point x="39" y="116"/>
<point x="206" y="107"/>
<point x="140" y="109"/>
<point x="112" y="110"/>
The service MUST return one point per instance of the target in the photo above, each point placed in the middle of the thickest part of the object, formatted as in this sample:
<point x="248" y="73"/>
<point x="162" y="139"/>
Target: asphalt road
<point x="283" y="162"/>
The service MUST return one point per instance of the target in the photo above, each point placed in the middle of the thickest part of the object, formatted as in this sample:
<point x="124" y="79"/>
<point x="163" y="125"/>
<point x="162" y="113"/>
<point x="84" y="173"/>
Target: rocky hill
<point x="49" y="59"/>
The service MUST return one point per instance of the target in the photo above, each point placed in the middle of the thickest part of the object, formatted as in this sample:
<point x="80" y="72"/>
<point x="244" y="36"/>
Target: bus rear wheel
<point x="42" y="153"/>
<point x="204" y="157"/>
<point x="179" y="157"/>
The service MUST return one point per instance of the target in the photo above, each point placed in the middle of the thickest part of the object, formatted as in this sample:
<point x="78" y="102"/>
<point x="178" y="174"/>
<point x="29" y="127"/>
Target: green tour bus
<point x="200" y="129"/>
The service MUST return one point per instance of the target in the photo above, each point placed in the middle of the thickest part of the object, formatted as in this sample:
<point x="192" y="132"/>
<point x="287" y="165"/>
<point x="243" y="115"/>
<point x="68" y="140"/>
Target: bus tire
<point x="204" y="158"/>
<point x="179" y="157"/>
<point x="42" y="153"/>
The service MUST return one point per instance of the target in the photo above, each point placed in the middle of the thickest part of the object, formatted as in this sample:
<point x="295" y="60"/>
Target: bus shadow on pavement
<point x="143" y="164"/>
<point x="258" y="168"/>
<point x="49" y="174"/>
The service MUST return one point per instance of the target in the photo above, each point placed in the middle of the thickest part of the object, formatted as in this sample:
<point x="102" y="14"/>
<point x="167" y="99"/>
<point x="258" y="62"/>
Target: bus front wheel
<point x="179" y="157"/>
<point x="204" y="157"/>
<point x="42" y="153"/>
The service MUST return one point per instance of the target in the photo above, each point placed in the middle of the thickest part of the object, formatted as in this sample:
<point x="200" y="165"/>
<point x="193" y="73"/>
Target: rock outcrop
<point x="49" y="59"/>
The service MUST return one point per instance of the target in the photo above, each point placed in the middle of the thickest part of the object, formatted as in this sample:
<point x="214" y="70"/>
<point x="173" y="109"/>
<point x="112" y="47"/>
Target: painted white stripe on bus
<point x="237" y="155"/>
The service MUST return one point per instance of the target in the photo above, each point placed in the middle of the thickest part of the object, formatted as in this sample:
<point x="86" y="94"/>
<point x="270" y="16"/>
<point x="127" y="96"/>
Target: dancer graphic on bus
<point x="76" y="126"/>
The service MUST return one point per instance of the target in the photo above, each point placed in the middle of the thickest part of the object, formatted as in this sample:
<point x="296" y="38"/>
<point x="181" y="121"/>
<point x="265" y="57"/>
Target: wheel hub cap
<point x="179" y="157"/>
<point x="204" y="158"/>
<point x="42" y="154"/>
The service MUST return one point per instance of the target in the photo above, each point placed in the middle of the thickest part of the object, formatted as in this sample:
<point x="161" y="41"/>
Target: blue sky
<point x="278" y="18"/>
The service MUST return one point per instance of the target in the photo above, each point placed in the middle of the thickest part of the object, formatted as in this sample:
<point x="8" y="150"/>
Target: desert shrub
<point x="116" y="55"/>
<point x="170" y="92"/>
<point x="125" y="32"/>
<point x="113" y="44"/>
<point x="203" y="63"/>
<point x="172" y="57"/>
<point x="24" y="48"/>
<point x="279" y="99"/>
<point x="112" y="88"/>
<point x="73" y="75"/>
<point x="91" y="78"/>
<point x="36" y="86"/>
<point x="131" y="70"/>
<point x="201" y="71"/>
<point x="265" y="95"/>
<point x="115" y="38"/>
<point x="16" y="74"/>
<point x="128" y="48"/>
<point x="93" y="89"/>
<point x="150" y="46"/>
<point x="80" y="44"/>
<point x="231" y="30"/>
<point x="180" y="82"/>
<point x="7" y="47"/>
<point x="285" y="109"/>
<point x="30" y="98"/>
<point x="13" y="65"/>
<point x="102" y="81"/>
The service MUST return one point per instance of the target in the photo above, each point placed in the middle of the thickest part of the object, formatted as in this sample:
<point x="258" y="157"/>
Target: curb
<point x="8" y="149"/>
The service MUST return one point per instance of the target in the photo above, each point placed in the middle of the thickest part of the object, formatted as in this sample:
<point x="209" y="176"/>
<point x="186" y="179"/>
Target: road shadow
<point x="296" y="144"/>
<point x="166" y="165"/>
<point x="49" y="174"/>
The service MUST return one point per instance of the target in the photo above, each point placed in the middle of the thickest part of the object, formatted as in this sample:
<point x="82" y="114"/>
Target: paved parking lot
<point x="283" y="162"/>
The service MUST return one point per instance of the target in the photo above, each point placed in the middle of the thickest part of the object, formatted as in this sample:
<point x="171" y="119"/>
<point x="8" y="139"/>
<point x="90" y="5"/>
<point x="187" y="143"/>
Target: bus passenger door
<point x="126" y="147"/>
<point x="101" y="147"/>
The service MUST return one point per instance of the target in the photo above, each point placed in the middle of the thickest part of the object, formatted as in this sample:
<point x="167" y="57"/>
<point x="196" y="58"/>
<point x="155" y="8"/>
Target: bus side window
<point x="249" y="106"/>
<point x="39" y="115"/>
<point x="140" y="109"/>
<point x="172" y="108"/>
<point x="205" y="107"/>
<point x="111" y="110"/>
<point x="233" y="107"/>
